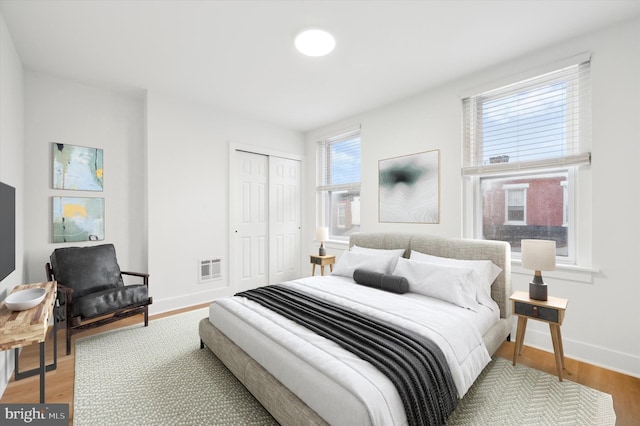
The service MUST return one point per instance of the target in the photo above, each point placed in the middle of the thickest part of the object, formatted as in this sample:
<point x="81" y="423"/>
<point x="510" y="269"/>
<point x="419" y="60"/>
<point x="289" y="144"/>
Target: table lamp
<point x="539" y="255"/>
<point x="322" y="235"/>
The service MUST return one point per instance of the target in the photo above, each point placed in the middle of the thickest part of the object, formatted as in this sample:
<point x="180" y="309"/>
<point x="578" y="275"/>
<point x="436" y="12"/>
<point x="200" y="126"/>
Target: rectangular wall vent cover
<point x="209" y="269"/>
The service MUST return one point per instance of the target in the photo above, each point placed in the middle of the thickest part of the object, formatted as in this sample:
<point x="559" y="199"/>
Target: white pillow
<point x="350" y="261"/>
<point x="448" y="283"/>
<point x="485" y="273"/>
<point x="396" y="253"/>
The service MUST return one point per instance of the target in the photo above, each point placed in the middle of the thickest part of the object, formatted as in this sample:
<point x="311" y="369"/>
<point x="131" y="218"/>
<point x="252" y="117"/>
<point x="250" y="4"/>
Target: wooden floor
<point x="59" y="383"/>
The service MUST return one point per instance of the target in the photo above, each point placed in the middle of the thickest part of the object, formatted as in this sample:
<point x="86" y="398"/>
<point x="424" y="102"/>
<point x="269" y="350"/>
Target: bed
<point x="301" y="380"/>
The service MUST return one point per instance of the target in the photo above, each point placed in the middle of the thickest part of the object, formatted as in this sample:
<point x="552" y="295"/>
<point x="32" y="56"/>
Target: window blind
<point x="537" y="123"/>
<point x="339" y="162"/>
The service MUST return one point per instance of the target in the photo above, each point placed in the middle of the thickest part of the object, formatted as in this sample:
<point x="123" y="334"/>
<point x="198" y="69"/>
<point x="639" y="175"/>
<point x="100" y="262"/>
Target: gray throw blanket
<point x="414" y="364"/>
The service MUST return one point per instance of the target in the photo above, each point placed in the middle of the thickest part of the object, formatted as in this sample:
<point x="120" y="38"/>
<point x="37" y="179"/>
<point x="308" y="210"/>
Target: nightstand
<point x="322" y="261"/>
<point x="550" y="311"/>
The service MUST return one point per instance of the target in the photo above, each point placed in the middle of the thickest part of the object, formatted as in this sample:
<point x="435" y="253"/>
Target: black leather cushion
<point x="87" y="269"/>
<point x="392" y="283"/>
<point x="106" y="301"/>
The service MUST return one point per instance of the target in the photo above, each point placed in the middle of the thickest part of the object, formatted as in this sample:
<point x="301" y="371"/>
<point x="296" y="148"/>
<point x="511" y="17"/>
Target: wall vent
<point x="209" y="269"/>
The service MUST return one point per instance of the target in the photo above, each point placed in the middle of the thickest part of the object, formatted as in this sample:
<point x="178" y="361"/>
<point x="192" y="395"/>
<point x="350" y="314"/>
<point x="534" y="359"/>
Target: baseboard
<point x="161" y="306"/>
<point x="620" y="362"/>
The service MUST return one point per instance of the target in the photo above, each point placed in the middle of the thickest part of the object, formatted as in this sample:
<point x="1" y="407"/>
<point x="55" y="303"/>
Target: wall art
<point x="409" y="188"/>
<point x="77" y="167"/>
<point x="77" y="219"/>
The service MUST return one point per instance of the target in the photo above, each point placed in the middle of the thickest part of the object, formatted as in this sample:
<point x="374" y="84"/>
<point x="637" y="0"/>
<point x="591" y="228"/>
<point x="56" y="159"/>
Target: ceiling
<point x="239" y="55"/>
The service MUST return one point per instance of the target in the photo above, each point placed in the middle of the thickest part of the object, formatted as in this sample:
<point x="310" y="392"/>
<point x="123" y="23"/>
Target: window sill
<point x="335" y="244"/>
<point x="583" y="274"/>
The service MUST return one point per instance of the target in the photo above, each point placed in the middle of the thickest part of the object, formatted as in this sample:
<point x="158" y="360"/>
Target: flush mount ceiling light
<point x="315" y="42"/>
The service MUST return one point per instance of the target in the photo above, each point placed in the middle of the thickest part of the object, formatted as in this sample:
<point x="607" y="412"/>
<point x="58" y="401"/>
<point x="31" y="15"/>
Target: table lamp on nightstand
<point x="322" y="235"/>
<point x="539" y="255"/>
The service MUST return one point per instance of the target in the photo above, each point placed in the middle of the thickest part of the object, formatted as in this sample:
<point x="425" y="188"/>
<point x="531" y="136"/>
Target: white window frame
<point x="576" y="192"/>
<point x="340" y="216"/>
<point x="325" y="191"/>
<point x="565" y="203"/>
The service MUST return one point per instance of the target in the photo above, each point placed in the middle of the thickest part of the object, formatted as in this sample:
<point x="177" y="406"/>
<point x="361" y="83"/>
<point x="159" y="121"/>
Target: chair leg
<point x="68" y="336"/>
<point x="146" y="316"/>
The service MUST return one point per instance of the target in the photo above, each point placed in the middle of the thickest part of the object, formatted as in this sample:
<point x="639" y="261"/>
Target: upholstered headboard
<point x="498" y="252"/>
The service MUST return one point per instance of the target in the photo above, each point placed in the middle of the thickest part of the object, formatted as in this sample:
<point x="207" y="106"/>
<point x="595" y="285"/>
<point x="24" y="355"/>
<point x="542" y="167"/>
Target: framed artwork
<point x="77" y="219"/>
<point x="77" y="167"/>
<point x="409" y="188"/>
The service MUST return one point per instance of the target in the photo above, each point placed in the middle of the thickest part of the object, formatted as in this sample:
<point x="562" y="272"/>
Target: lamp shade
<point x="322" y="233"/>
<point x="539" y="255"/>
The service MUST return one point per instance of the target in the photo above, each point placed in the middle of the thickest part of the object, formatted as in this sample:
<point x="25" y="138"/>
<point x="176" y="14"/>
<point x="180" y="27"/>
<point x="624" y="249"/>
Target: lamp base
<point x="537" y="291"/>
<point x="322" y="251"/>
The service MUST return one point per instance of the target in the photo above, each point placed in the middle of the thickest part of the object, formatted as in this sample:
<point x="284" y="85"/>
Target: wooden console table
<point x="23" y="328"/>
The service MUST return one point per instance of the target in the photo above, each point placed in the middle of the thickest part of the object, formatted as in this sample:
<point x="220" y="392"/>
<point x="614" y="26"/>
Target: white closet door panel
<point x="284" y="224"/>
<point x="252" y="227"/>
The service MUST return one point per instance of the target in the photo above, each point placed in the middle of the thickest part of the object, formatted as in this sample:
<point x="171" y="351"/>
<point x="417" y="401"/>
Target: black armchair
<point x="94" y="293"/>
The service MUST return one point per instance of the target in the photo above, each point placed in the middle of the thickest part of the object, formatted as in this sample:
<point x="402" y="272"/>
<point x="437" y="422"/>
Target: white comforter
<point x="338" y="385"/>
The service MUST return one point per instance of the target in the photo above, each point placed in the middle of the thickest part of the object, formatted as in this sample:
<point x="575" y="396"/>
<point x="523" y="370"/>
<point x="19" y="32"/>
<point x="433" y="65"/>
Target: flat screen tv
<point x="7" y="230"/>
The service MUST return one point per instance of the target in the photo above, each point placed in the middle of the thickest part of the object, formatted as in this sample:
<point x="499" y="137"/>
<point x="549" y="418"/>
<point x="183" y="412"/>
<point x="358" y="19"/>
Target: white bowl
<point x="25" y="299"/>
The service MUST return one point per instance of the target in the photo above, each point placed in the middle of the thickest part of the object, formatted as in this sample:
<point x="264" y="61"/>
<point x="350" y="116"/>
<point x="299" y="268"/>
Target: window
<point x="515" y="204"/>
<point x="338" y="185"/>
<point x="523" y="146"/>
<point x="342" y="216"/>
<point x="516" y="207"/>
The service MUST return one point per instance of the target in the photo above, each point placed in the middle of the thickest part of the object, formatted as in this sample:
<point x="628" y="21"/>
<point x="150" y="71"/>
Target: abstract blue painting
<point x="77" y="167"/>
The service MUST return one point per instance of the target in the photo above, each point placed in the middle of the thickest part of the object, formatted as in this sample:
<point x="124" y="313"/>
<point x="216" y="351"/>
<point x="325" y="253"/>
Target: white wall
<point x="165" y="180"/>
<point x="188" y="192"/>
<point x="602" y="321"/>
<point x="63" y="111"/>
<point x="11" y="163"/>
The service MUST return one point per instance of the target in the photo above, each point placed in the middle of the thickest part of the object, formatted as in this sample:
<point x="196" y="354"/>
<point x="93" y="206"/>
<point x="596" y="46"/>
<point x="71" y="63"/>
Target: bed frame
<point x="286" y="407"/>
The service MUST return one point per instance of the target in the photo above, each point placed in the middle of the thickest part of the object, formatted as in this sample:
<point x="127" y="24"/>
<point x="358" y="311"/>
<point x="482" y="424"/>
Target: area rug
<point x="158" y="375"/>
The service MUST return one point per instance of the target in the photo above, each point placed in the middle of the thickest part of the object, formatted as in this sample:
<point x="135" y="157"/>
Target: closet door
<point x="265" y="220"/>
<point x="284" y="219"/>
<point x="251" y="221"/>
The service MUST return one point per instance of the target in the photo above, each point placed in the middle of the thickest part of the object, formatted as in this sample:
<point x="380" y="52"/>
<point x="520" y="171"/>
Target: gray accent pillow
<point x="386" y="282"/>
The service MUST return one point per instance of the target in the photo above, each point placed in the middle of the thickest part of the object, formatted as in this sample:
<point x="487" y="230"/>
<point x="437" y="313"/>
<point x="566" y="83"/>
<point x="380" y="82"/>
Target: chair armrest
<point x="136" y="274"/>
<point x="49" y="271"/>
<point x="143" y="275"/>
<point x="64" y="288"/>
<point x="68" y="299"/>
<point x="68" y="291"/>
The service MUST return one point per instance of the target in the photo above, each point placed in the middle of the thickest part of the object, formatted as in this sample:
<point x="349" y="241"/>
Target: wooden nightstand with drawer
<point x="322" y="261"/>
<point x="550" y="311"/>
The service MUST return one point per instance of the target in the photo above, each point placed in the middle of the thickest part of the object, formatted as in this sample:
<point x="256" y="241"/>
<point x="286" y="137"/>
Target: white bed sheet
<point x="347" y="390"/>
<point x="484" y="319"/>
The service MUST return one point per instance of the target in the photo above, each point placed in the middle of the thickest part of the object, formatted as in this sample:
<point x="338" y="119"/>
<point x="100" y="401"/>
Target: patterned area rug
<point x="508" y="395"/>
<point x="158" y="375"/>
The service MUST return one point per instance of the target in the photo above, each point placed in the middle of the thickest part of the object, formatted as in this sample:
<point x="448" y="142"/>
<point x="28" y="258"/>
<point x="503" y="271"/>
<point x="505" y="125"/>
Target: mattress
<point x="338" y="385"/>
